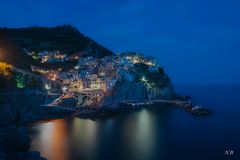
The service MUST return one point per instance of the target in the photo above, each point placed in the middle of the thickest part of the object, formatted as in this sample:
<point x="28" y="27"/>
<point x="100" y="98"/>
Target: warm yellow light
<point x="135" y="61"/>
<point x="5" y="69"/>
<point x="149" y="63"/>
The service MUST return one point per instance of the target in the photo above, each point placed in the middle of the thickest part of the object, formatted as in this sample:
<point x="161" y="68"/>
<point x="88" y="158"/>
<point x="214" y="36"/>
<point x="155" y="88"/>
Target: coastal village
<point x="92" y="78"/>
<point x="75" y="72"/>
<point x="57" y="73"/>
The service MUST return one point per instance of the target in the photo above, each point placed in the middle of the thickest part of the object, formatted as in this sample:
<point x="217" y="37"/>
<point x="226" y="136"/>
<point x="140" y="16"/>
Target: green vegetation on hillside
<point x="151" y="79"/>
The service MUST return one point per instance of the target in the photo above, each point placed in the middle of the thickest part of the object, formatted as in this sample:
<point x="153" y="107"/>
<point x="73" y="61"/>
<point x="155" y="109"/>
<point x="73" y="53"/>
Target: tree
<point x="20" y="81"/>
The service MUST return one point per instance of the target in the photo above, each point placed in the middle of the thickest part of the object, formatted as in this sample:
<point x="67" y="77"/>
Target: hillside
<point x="66" y="39"/>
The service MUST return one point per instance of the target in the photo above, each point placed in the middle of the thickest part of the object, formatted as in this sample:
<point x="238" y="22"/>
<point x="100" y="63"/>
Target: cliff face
<point x="131" y="91"/>
<point x="165" y="92"/>
<point x="19" y="109"/>
<point x="24" y="107"/>
<point x="155" y="86"/>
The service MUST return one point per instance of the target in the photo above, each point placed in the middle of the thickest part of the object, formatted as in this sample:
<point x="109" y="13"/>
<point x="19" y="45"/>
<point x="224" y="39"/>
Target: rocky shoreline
<point x="106" y="111"/>
<point x="21" y="109"/>
<point x="15" y="144"/>
<point x="18" y="111"/>
<point x="192" y="108"/>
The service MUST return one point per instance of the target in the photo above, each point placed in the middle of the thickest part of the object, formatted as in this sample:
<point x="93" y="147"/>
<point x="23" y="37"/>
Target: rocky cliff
<point x="25" y="107"/>
<point x="132" y="91"/>
<point x="129" y="91"/>
<point x="18" y="109"/>
<point x="144" y="86"/>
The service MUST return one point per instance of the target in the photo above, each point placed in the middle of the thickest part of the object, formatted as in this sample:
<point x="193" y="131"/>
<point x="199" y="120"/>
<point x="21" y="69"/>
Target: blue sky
<point x="197" y="42"/>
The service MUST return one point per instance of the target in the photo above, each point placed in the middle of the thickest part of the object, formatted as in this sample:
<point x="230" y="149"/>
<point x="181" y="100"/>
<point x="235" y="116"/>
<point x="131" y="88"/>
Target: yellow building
<point x="99" y="84"/>
<point x="76" y="86"/>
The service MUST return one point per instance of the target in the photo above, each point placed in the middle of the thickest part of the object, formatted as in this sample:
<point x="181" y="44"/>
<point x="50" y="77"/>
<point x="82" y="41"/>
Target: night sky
<point x="197" y="42"/>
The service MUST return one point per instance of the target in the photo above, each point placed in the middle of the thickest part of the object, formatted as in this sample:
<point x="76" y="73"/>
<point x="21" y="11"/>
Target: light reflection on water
<point x="131" y="136"/>
<point x="165" y="132"/>
<point x="139" y="135"/>
<point x="83" y="138"/>
<point x="52" y="140"/>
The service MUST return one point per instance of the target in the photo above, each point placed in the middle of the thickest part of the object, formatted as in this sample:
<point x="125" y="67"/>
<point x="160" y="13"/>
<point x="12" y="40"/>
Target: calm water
<point x="162" y="133"/>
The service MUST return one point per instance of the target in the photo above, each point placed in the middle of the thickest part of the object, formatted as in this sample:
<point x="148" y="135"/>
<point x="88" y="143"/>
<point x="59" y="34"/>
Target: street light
<point x="64" y="89"/>
<point x="47" y="87"/>
<point x="143" y="79"/>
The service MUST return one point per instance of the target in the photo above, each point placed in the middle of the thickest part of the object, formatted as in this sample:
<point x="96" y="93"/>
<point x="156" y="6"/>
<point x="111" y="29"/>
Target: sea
<point x="163" y="132"/>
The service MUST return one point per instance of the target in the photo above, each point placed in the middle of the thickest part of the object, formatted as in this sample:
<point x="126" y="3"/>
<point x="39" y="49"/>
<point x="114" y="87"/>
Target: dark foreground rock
<point x="200" y="110"/>
<point x="192" y="108"/>
<point x="32" y="155"/>
<point x="15" y="143"/>
<point x="22" y="108"/>
<point x="19" y="109"/>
